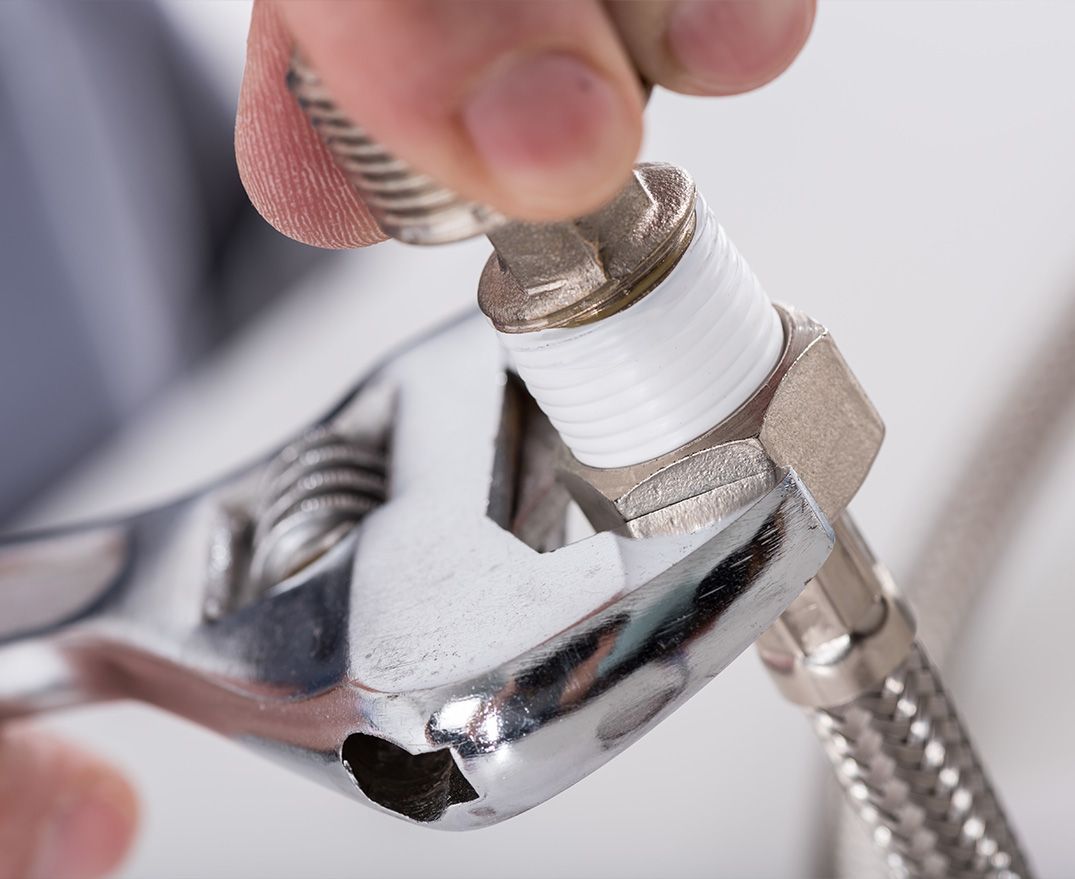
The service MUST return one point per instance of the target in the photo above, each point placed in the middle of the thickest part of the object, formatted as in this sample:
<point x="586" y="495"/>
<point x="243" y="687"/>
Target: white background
<point x="910" y="182"/>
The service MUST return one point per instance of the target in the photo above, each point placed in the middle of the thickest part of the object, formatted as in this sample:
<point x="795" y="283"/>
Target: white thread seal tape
<point x="663" y="371"/>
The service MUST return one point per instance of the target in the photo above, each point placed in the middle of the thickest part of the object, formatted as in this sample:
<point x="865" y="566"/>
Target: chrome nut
<point x="810" y="415"/>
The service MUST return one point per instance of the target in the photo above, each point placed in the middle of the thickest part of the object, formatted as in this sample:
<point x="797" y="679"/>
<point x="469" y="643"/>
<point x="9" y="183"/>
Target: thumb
<point x="63" y="813"/>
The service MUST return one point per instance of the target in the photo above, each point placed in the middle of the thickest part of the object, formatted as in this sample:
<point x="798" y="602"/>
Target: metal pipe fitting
<point x="809" y="414"/>
<point x="558" y="275"/>
<point x="844" y="634"/>
<point x="688" y="346"/>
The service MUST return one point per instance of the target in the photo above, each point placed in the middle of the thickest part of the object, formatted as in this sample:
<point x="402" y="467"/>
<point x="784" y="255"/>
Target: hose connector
<point x="847" y="631"/>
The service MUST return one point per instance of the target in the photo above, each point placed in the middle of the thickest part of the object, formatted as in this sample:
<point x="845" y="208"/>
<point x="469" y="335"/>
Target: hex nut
<point x="810" y="415"/>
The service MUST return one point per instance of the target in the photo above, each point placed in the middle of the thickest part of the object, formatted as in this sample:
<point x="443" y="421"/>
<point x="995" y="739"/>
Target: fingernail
<point x="87" y="837"/>
<point x="735" y="45"/>
<point x="546" y="124"/>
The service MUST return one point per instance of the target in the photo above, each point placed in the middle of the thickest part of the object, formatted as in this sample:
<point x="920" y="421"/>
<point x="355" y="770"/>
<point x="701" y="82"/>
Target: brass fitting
<point x="544" y="275"/>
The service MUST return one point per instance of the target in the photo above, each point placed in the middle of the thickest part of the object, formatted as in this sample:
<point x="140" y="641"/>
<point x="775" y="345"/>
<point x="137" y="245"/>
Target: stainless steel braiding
<point x="974" y="528"/>
<point x="408" y="205"/>
<point x="905" y="762"/>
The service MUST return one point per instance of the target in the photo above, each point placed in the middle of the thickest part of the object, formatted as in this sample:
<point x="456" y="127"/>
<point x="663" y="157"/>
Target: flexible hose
<point x="902" y="756"/>
<point x="973" y="528"/>
<point x="980" y="517"/>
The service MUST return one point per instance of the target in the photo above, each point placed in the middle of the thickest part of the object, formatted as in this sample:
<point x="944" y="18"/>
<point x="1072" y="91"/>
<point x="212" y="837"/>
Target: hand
<point x="63" y="814"/>
<point x="531" y="106"/>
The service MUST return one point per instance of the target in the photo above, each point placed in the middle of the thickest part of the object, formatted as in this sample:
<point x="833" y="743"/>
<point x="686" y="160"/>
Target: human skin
<point x="531" y="106"/>
<point x="64" y="814"/>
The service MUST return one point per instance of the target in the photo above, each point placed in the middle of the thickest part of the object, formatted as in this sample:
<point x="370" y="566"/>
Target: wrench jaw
<point x="544" y="721"/>
<point x="482" y="748"/>
<point x="434" y="663"/>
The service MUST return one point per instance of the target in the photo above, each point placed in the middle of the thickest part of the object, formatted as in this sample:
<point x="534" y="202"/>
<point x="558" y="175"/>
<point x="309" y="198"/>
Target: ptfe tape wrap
<point x="660" y="373"/>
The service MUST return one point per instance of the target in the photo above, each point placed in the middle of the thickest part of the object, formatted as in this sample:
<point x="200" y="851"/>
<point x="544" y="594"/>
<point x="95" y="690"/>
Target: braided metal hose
<point x="974" y="527"/>
<point x="905" y="762"/>
<point x="408" y="205"/>
<point x="979" y="519"/>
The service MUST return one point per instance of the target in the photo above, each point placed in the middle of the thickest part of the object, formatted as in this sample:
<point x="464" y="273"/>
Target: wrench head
<point x="453" y="660"/>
